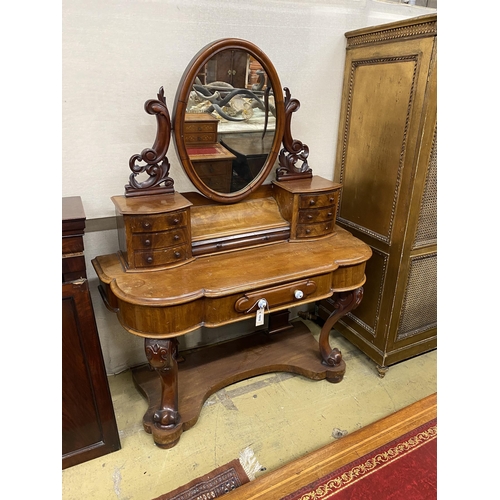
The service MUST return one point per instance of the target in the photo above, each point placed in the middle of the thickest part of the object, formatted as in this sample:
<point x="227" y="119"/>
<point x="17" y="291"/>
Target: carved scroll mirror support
<point x="158" y="166"/>
<point x="292" y="158"/>
<point x="293" y="150"/>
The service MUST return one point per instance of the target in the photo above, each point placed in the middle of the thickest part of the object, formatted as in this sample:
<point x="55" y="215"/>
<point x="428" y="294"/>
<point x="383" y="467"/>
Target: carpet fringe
<point x="249" y="463"/>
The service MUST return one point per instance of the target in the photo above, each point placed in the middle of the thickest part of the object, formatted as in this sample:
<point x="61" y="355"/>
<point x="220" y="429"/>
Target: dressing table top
<point x="223" y="274"/>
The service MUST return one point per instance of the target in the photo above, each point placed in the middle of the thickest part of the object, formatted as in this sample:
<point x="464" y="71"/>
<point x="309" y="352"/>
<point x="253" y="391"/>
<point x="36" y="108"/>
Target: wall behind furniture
<point x="118" y="53"/>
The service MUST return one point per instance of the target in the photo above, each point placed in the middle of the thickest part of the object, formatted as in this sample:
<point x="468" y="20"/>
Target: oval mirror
<point x="229" y="119"/>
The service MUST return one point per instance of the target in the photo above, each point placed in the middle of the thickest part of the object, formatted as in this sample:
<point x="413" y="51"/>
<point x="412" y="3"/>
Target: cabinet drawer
<point x="200" y="126"/>
<point x="276" y="296"/>
<point x="314" y="230"/>
<point x="72" y="244"/>
<point x="73" y="267"/>
<point x="318" y="200"/>
<point x="145" y="258"/>
<point x="317" y="215"/>
<point x="159" y="240"/>
<point x="201" y="137"/>
<point x="154" y="223"/>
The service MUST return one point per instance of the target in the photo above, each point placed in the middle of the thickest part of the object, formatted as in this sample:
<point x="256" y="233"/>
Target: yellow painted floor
<point x="280" y="416"/>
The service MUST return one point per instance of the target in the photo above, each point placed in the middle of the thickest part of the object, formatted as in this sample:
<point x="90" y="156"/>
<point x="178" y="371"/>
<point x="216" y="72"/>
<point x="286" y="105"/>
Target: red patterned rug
<point x="405" y="468"/>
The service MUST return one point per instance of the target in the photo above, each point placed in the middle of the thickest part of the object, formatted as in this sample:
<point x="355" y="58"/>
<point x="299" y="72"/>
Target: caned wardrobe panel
<point x="387" y="163"/>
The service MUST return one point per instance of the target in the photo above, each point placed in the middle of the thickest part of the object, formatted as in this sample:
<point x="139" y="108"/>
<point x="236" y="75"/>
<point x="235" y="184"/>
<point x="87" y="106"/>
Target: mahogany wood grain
<point x="88" y="422"/>
<point x="169" y="303"/>
<point x="186" y="262"/>
<point x="309" y="205"/>
<point x="157" y="165"/>
<point x="343" y="303"/>
<point x="73" y="228"/>
<point x="246" y="217"/>
<point x="303" y="471"/>
<point x="281" y="294"/>
<point x="241" y="253"/>
<point x="293" y="150"/>
<point x="148" y="205"/>
<point x="156" y="239"/>
<point x="162" y="356"/>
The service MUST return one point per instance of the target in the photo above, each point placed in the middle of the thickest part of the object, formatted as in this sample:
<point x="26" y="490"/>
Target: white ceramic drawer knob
<point x="262" y="303"/>
<point x="299" y="294"/>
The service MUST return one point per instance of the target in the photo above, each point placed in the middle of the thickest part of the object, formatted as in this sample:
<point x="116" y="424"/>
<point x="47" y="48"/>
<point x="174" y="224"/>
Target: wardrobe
<point x="387" y="163"/>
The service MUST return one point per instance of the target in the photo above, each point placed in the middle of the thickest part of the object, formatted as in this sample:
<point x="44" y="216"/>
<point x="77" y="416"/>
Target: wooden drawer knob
<point x="147" y="243"/>
<point x="149" y="260"/>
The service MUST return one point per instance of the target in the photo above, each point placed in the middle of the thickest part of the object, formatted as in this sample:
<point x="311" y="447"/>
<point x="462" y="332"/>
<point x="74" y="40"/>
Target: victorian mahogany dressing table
<point x="216" y="257"/>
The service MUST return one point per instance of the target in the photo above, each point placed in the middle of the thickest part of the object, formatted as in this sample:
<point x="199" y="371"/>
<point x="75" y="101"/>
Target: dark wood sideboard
<point x="89" y="427"/>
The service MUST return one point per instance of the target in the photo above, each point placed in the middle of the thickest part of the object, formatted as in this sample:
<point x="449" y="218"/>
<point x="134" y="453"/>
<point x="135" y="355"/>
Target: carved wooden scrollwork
<point x="162" y="357"/>
<point x="158" y="166"/>
<point x="344" y="303"/>
<point x="293" y="150"/>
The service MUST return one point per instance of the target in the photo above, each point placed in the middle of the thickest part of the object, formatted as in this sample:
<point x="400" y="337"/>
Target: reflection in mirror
<point x="230" y="121"/>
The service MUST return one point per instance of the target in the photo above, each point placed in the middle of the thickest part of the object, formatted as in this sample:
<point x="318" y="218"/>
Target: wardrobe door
<point x="386" y="162"/>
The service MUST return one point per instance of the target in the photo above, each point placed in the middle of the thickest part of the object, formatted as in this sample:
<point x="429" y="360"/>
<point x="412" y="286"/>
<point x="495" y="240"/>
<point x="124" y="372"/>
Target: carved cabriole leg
<point x="162" y="357"/>
<point x="344" y="302"/>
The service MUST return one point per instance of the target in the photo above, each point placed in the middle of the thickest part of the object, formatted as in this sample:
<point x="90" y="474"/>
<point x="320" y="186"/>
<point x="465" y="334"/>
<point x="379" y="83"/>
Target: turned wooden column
<point x="162" y="357"/>
<point x="344" y="302"/>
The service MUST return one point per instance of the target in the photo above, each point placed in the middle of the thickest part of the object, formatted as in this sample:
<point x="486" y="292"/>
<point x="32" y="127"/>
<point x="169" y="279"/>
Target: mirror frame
<point x="181" y="99"/>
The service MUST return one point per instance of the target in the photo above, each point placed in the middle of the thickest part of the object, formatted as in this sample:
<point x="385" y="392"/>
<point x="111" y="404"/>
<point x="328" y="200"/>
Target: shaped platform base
<point x="207" y="370"/>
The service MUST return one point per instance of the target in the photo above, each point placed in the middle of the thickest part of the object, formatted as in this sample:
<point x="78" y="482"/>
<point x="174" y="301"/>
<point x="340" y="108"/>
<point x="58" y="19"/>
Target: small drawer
<point x="317" y="215"/>
<point x="151" y="241"/>
<point x="200" y="126"/>
<point x="314" y="230"/>
<point x="160" y="257"/>
<point x="318" y="200"/>
<point x="73" y="267"/>
<point x="154" y="223"/>
<point x="72" y="244"/>
<point x="201" y="137"/>
<point x="290" y="293"/>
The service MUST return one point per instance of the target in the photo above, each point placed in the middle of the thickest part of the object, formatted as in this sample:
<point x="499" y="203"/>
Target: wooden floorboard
<point x="312" y="466"/>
